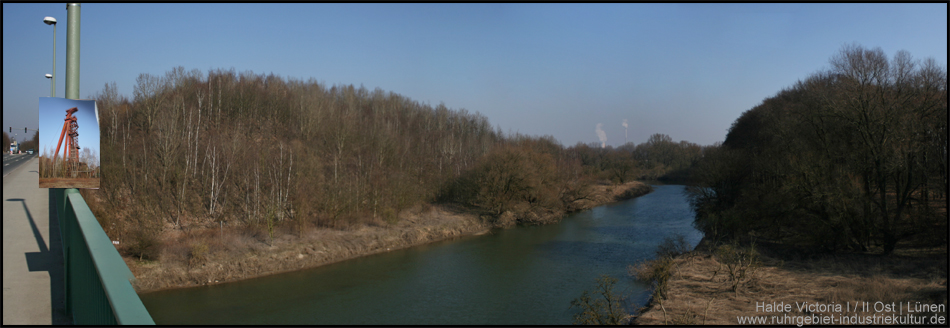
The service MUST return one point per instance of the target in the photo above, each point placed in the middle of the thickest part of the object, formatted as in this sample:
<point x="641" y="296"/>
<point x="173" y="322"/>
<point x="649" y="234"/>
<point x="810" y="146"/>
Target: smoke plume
<point x="602" y="135"/>
<point x="624" y="123"/>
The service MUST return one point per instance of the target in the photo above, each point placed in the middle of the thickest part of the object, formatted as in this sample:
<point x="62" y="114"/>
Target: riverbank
<point x="214" y="255"/>
<point x="699" y="291"/>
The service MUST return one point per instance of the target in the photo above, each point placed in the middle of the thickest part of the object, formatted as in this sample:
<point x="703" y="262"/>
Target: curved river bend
<point x="525" y="275"/>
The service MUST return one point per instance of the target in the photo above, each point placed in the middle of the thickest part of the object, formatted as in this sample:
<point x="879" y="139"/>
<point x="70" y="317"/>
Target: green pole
<point x="52" y="86"/>
<point x="72" y="51"/>
<point x="72" y="92"/>
<point x="53" y="92"/>
<point x="52" y="83"/>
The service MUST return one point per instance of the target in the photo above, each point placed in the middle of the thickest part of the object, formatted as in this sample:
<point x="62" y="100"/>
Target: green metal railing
<point x="98" y="282"/>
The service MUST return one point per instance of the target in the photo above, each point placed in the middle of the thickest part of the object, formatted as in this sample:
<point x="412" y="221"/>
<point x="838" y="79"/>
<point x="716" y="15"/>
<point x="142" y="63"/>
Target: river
<point x="524" y="275"/>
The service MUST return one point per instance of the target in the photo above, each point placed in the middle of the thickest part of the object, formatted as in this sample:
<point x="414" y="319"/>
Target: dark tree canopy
<point x="850" y="158"/>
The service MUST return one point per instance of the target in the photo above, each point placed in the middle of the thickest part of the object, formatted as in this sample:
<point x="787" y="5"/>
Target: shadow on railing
<point x="98" y="286"/>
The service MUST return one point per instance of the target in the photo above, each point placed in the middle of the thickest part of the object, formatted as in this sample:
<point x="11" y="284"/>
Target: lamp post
<point x="52" y="83"/>
<point x="72" y="51"/>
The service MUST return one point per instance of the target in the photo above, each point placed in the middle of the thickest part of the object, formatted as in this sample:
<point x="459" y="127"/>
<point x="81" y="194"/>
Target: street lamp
<point x="52" y="84"/>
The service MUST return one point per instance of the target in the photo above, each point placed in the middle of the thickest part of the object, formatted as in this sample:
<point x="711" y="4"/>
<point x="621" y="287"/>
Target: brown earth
<point x="697" y="294"/>
<point x="217" y="255"/>
<point x="89" y="183"/>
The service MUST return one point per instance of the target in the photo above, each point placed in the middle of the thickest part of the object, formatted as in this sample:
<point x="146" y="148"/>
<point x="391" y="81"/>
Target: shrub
<point x="604" y="308"/>
<point x="738" y="263"/>
<point x="656" y="272"/>
<point x="510" y="178"/>
<point x="144" y="244"/>
<point x="672" y="246"/>
<point x="198" y="253"/>
<point x="389" y="215"/>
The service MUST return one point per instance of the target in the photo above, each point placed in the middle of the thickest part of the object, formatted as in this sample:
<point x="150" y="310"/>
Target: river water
<point x="524" y="275"/>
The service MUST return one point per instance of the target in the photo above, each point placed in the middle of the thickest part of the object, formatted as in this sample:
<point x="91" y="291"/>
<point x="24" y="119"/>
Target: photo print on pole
<point x="69" y="149"/>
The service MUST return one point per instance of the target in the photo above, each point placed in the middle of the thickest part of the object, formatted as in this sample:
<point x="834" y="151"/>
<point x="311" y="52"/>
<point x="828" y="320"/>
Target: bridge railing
<point x="98" y="282"/>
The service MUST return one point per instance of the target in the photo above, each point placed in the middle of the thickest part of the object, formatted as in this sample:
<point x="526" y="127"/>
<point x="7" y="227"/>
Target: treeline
<point x="852" y="158"/>
<point x="658" y="158"/>
<point x="536" y="179"/>
<point x="261" y="151"/>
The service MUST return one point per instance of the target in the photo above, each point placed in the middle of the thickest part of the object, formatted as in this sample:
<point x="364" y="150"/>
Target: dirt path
<point x="214" y="256"/>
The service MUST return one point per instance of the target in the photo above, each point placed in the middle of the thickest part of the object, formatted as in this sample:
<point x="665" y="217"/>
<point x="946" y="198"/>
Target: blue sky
<point x="686" y="70"/>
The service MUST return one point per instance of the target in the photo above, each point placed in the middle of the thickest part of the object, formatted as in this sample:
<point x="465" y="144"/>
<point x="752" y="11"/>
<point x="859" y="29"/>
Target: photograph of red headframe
<point x="70" y="164"/>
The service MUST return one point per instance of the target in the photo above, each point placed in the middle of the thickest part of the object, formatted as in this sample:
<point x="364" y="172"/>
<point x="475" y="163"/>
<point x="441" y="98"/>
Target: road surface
<point x="32" y="251"/>
<point x="11" y="162"/>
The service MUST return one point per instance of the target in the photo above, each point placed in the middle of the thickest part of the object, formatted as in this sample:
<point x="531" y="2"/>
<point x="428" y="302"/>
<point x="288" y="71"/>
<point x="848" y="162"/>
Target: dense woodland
<point x="851" y="158"/>
<point x="245" y="150"/>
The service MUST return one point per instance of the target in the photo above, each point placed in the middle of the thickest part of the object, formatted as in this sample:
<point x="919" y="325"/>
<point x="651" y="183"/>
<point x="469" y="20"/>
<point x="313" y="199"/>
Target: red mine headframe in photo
<point x="70" y="129"/>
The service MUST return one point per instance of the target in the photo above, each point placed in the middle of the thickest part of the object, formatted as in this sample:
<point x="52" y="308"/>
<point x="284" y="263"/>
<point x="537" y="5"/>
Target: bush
<point x="605" y="308"/>
<point x="657" y="273"/>
<point x="510" y="178"/>
<point x="672" y="246"/>
<point x="144" y="244"/>
<point x="389" y="215"/>
<point x="198" y="253"/>
<point x="738" y="263"/>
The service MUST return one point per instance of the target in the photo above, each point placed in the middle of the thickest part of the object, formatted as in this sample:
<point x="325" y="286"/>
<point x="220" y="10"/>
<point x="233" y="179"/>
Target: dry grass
<point x="215" y="255"/>
<point x="630" y="190"/>
<point x="63" y="170"/>
<point x="90" y="183"/>
<point x="211" y="254"/>
<point x="696" y="295"/>
<point x="59" y="175"/>
<point x="603" y="193"/>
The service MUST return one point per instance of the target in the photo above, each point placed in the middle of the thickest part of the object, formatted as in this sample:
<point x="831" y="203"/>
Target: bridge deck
<point x="32" y="252"/>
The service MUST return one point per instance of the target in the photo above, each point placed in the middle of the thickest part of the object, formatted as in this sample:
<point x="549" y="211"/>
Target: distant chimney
<point x="601" y="135"/>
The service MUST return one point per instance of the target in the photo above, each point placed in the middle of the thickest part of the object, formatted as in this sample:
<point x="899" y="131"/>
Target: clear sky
<point x="686" y="70"/>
